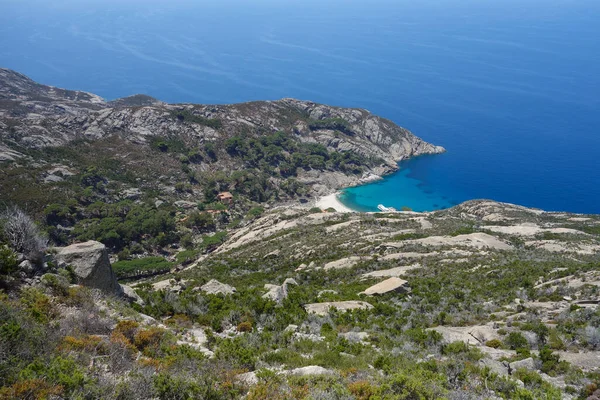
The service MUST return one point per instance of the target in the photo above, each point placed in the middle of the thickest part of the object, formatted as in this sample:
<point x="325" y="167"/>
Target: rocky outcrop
<point x="91" y="266"/>
<point x="215" y="287"/>
<point x="130" y="295"/>
<point x="308" y="371"/>
<point x="278" y="293"/>
<point x="323" y="308"/>
<point x="528" y="364"/>
<point x="388" y="286"/>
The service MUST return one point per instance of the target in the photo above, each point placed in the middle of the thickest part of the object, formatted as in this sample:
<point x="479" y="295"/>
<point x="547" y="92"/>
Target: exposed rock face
<point x="310" y="370"/>
<point x="7" y="154"/>
<point x="323" y="308"/>
<point x="129" y="294"/>
<point x="389" y="285"/>
<point x="215" y="287"/>
<point x="394" y="142"/>
<point x="348" y="262"/>
<point x="250" y="378"/>
<point x="527" y="363"/>
<point x="91" y="266"/>
<point x="278" y="293"/>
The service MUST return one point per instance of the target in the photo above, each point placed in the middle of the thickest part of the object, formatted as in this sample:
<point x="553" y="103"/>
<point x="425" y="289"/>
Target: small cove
<point x="413" y="186"/>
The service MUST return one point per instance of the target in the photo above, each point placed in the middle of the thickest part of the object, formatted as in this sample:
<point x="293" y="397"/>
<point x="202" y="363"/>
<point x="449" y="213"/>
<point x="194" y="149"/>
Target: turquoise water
<point x="509" y="87"/>
<point x="408" y="188"/>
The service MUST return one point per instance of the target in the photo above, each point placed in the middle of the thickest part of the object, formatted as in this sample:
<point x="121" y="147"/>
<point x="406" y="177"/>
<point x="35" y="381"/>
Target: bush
<point x="551" y="363"/>
<point x="23" y="234"/>
<point x="8" y="261"/>
<point x="255" y="212"/>
<point x="515" y="340"/>
<point x="63" y="372"/>
<point x="245" y="326"/>
<point x="212" y="242"/>
<point x="361" y="390"/>
<point x="151" y="341"/>
<point x="38" y="305"/>
<point x="127" y="328"/>
<point x="403" y="386"/>
<point x="494" y="343"/>
<point x="31" y="389"/>
<point x="200" y="222"/>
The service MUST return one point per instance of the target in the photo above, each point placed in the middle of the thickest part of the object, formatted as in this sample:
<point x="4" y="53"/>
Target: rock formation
<point x="91" y="265"/>
<point x="215" y="287"/>
<point x="278" y="293"/>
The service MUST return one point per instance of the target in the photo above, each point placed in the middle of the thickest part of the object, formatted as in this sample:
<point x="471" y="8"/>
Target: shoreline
<point x="332" y="201"/>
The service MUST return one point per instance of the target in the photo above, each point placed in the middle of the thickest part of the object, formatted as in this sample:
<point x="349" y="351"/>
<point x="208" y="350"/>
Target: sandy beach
<point x="331" y="201"/>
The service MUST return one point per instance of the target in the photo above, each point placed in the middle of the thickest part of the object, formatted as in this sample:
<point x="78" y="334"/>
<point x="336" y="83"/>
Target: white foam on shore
<point x="332" y="201"/>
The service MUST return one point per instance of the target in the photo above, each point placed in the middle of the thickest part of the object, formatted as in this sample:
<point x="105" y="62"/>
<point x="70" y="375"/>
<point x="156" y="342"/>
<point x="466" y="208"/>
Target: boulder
<point x="495" y="366"/>
<point x="389" y="285"/>
<point x="91" y="266"/>
<point x="278" y="293"/>
<point x="27" y="267"/>
<point x="248" y="378"/>
<point x="130" y="295"/>
<point x="527" y="363"/>
<point x="355" y="337"/>
<point x="215" y="287"/>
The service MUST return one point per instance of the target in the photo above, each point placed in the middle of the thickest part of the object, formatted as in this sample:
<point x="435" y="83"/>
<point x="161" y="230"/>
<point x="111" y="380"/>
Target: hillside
<point x="136" y="282"/>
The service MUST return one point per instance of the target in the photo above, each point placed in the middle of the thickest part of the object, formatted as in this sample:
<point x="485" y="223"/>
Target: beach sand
<point x="331" y="201"/>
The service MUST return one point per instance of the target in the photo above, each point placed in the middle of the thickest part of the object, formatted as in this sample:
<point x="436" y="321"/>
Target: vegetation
<point x="157" y="210"/>
<point x="141" y="267"/>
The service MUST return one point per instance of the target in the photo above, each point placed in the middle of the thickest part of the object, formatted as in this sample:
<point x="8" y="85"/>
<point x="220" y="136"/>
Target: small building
<point x="225" y="198"/>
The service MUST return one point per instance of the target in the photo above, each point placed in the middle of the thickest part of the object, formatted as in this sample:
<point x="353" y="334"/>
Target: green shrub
<point x="494" y="343"/>
<point x="237" y="352"/>
<point x="515" y="340"/>
<point x="200" y="222"/>
<point x="529" y="378"/>
<point x="58" y="371"/>
<point x="141" y="266"/>
<point x="38" y="305"/>
<point x="190" y="117"/>
<point x="187" y="256"/>
<point x="255" y="212"/>
<point x="551" y="363"/>
<point x="58" y="284"/>
<point x="211" y="242"/>
<point x="404" y="386"/>
<point x="8" y="260"/>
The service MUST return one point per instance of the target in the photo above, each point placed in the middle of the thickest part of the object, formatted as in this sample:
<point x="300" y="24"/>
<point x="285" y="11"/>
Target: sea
<point x="511" y="88"/>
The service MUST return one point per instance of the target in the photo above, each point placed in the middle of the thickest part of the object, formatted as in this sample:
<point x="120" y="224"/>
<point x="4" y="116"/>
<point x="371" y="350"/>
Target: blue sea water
<point x="510" y="88"/>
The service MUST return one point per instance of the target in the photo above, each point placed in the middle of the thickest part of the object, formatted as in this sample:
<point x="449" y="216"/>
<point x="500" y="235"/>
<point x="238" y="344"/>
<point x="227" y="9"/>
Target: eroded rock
<point x="323" y="308"/>
<point x="215" y="287"/>
<point x="388" y="286"/>
<point x="91" y="266"/>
